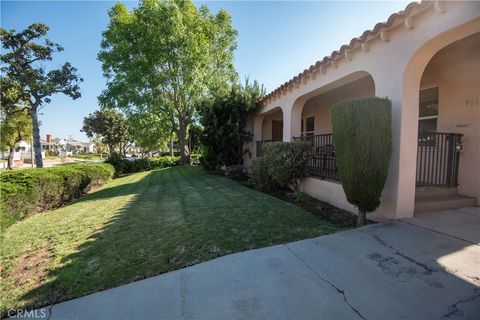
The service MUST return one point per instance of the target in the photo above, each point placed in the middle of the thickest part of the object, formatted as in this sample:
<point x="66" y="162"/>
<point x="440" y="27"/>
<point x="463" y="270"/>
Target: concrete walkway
<point x="427" y="267"/>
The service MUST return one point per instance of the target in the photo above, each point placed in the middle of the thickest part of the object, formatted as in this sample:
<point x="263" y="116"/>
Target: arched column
<point x="389" y="85"/>
<point x="257" y="132"/>
<point x="408" y="117"/>
<point x="296" y="118"/>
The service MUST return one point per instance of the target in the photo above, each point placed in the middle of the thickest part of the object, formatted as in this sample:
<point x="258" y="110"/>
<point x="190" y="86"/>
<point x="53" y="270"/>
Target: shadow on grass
<point x="176" y="218"/>
<point x="97" y="263"/>
<point x="179" y="217"/>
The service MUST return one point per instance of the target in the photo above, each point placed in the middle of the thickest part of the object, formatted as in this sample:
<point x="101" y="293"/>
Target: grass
<point x="87" y="156"/>
<point x="138" y="226"/>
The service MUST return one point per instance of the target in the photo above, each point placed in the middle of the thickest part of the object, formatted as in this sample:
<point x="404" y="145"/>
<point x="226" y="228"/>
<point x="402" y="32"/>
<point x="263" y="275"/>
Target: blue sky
<point x="276" y="41"/>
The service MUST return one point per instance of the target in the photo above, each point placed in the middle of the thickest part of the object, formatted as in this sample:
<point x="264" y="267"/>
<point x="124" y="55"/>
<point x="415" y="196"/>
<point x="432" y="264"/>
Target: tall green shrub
<point x="362" y="130"/>
<point x="223" y="118"/>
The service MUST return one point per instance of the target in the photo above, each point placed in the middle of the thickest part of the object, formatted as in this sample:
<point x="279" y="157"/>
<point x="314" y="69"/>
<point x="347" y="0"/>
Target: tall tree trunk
<point x="11" y="152"/>
<point x="36" y="138"/>
<point x="184" y="152"/>
<point x="362" y="218"/>
<point x="170" y="146"/>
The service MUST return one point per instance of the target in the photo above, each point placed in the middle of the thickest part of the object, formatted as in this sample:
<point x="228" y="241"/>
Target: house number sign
<point x="473" y="102"/>
<point x="459" y="125"/>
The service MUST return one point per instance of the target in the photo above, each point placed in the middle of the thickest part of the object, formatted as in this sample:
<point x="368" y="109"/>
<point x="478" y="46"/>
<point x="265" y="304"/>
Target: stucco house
<point x="426" y="60"/>
<point x="72" y="146"/>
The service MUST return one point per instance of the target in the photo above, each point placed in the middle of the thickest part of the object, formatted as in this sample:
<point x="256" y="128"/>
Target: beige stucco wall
<point x="456" y="71"/>
<point x="320" y="106"/>
<point x="328" y="191"/>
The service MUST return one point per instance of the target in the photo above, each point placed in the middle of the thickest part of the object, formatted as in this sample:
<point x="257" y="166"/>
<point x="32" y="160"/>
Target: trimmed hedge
<point x="362" y="130"/>
<point x="125" y="166"/>
<point x="28" y="191"/>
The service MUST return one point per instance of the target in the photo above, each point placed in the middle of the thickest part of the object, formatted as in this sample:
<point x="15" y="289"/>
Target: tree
<point x="21" y="66"/>
<point x="362" y="130"/>
<point x="149" y="131"/>
<point x="12" y="96"/>
<point x="166" y="56"/>
<point x="108" y="126"/>
<point x="195" y="131"/>
<point x="16" y="126"/>
<point x="100" y="147"/>
<point x="223" y="118"/>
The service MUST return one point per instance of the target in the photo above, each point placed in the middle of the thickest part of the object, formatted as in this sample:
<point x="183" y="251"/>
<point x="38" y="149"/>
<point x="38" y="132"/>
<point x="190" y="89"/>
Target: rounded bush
<point x="283" y="164"/>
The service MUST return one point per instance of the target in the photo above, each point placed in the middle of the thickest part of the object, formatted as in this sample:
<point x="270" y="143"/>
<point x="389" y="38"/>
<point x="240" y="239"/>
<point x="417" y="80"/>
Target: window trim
<point x="428" y="117"/>
<point x="305" y="133"/>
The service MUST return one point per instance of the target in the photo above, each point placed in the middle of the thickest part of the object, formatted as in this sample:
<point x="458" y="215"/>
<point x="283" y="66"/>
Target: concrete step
<point x="437" y="203"/>
<point x="427" y="192"/>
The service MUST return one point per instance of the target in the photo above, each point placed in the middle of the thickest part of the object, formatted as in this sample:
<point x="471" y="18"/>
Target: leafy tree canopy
<point x="150" y="131"/>
<point x="166" y="56"/>
<point x="26" y="77"/>
<point x="108" y="126"/>
<point x="16" y="126"/>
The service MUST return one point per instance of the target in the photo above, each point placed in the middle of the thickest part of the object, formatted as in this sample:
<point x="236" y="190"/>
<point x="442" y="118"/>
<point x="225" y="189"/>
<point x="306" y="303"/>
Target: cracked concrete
<point x="455" y="312"/>
<point x="392" y="270"/>
<point x="340" y="291"/>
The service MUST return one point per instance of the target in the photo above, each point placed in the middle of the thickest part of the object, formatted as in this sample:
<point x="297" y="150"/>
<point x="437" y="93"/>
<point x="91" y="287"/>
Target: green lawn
<point x="139" y="226"/>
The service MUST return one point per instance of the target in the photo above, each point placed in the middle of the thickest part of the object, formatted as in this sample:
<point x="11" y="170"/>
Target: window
<point x="427" y="121"/>
<point x="428" y="115"/>
<point x="308" y="126"/>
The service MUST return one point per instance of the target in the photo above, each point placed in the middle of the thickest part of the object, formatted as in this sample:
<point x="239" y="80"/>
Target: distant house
<point x="75" y="146"/>
<point x="22" y="152"/>
<point x="48" y="144"/>
<point x="66" y="147"/>
<point x="83" y="147"/>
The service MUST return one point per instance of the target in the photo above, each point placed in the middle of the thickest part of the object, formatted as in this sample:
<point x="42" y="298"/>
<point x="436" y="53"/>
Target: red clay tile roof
<point x="354" y="43"/>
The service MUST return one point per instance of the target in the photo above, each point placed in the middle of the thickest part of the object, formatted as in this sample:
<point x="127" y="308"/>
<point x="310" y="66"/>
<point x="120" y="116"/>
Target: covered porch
<point x="433" y="86"/>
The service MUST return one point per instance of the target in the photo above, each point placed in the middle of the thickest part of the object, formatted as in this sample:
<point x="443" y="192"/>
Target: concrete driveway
<point x="427" y="267"/>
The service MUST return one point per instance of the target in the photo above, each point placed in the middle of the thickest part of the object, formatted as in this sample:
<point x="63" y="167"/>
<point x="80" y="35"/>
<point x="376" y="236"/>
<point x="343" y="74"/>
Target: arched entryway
<point x="271" y="128"/>
<point x="448" y="157"/>
<point x="314" y="119"/>
<point x="441" y="121"/>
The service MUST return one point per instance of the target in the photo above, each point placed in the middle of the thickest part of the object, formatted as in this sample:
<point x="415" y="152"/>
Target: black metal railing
<point x="322" y="162"/>
<point x="438" y="158"/>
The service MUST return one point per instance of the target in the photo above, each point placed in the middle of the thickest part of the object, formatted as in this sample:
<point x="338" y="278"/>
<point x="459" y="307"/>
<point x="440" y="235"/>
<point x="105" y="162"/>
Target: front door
<point x="277" y="130"/>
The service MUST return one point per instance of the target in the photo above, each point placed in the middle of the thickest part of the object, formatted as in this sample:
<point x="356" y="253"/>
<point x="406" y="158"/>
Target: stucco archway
<point x="410" y="111"/>
<point x="354" y="85"/>
<point x="266" y="125"/>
